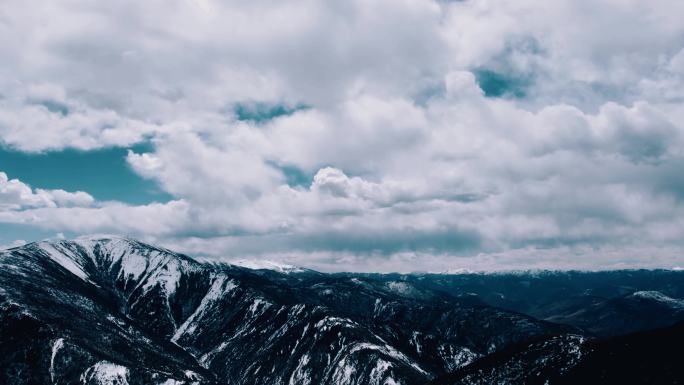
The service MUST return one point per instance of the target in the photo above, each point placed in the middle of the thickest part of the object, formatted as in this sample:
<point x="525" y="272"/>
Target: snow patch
<point x="377" y="374"/>
<point x="63" y="260"/>
<point x="258" y="306"/>
<point x="400" y="287"/>
<point x="300" y="376"/>
<point x="192" y="376"/>
<point x="343" y="373"/>
<point x="456" y="357"/>
<point x="220" y="286"/>
<point x="56" y="346"/>
<point x="105" y="373"/>
<point x="415" y="341"/>
<point x="168" y="275"/>
<point x="328" y="322"/>
<point x="255" y="264"/>
<point x="205" y="360"/>
<point x="660" y="297"/>
<point x="389" y="351"/>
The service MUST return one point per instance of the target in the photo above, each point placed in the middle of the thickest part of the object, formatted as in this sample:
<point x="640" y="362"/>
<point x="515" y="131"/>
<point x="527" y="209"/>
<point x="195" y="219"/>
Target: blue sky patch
<point x="496" y="84"/>
<point x="10" y="232"/>
<point x="294" y="176"/>
<point x="263" y="112"/>
<point x="104" y="173"/>
<point x="55" y="107"/>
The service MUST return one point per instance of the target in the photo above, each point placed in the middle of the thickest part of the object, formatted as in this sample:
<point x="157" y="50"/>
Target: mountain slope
<point x="117" y="311"/>
<point x="602" y="303"/>
<point x="79" y="303"/>
<point x="534" y="362"/>
<point x="649" y="357"/>
<point x="641" y="310"/>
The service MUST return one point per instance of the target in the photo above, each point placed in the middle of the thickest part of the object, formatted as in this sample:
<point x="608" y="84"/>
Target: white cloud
<point x="16" y="195"/>
<point x="45" y="119"/>
<point x="399" y="156"/>
<point x="110" y="217"/>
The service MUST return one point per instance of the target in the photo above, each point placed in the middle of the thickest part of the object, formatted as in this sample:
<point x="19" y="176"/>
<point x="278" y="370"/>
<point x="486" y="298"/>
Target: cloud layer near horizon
<point x="362" y="135"/>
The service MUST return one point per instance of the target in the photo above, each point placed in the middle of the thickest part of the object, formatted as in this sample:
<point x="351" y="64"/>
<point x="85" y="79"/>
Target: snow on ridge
<point x="301" y="375"/>
<point x="258" y="306"/>
<point x="137" y="263"/>
<point x="64" y="254"/>
<point x="147" y="266"/>
<point x="376" y="375"/>
<point x="388" y="351"/>
<point x="150" y="266"/>
<point x="166" y="273"/>
<point x="60" y="256"/>
<point x="262" y="264"/>
<point x="659" y="297"/>
<point x="219" y="286"/>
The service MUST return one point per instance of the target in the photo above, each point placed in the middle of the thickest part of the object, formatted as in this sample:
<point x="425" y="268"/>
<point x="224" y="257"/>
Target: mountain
<point x="603" y="303"/>
<point x="647" y="357"/>
<point x="640" y="310"/>
<point x="71" y="313"/>
<point x="534" y="362"/>
<point x="118" y="311"/>
<point x="268" y="265"/>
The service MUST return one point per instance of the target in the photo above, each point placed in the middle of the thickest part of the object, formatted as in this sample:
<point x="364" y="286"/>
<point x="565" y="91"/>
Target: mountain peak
<point x="98" y="259"/>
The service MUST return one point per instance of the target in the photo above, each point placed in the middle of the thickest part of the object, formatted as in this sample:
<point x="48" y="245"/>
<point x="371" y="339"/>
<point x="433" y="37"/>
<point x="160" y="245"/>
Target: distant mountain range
<point x="117" y="311"/>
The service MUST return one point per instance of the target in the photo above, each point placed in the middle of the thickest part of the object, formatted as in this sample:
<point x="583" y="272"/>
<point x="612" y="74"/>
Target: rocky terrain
<point x="118" y="311"/>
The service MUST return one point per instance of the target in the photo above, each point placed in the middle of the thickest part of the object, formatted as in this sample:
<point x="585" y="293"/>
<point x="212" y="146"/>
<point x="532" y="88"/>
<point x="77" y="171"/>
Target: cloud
<point x="45" y="119"/>
<point x="112" y="218"/>
<point x="363" y="134"/>
<point x="16" y="243"/>
<point x="16" y="195"/>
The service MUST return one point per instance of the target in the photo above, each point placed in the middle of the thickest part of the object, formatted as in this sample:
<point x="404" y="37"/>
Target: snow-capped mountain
<point x="267" y="265"/>
<point x="118" y="311"/>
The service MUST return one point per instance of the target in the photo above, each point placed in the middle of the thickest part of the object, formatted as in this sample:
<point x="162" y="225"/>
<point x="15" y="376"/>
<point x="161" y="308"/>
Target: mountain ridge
<point x="119" y="311"/>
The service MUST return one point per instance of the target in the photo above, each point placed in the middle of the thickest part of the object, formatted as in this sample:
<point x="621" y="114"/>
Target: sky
<point x="357" y="135"/>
